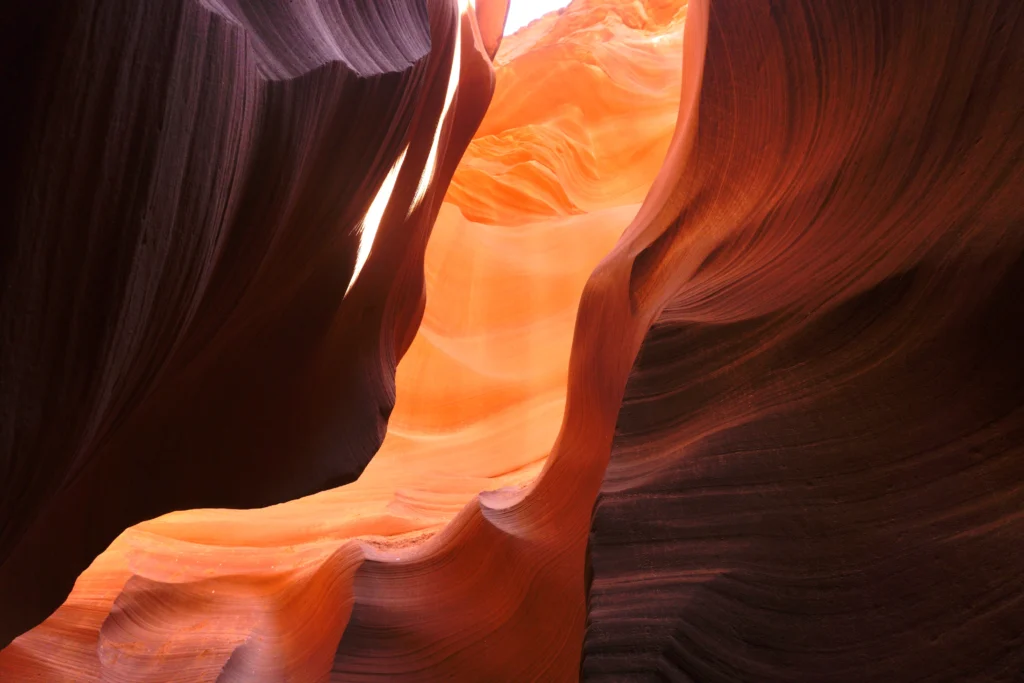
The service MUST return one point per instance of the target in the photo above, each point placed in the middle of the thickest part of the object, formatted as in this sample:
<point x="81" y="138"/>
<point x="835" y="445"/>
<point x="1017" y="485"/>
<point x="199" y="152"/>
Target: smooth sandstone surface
<point x="198" y="595"/>
<point x="718" y="379"/>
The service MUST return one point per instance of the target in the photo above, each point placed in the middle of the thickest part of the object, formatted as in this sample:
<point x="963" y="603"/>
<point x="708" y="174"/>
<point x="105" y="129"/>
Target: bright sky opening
<point x="522" y="12"/>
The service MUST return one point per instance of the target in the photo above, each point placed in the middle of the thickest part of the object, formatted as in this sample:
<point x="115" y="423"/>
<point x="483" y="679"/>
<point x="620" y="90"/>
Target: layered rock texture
<point x="194" y="596"/>
<point x="818" y="468"/>
<point x="718" y="378"/>
<point x="216" y="216"/>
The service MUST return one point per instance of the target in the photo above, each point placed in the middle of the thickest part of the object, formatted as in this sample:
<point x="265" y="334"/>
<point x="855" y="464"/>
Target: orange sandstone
<point x="543" y="192"/>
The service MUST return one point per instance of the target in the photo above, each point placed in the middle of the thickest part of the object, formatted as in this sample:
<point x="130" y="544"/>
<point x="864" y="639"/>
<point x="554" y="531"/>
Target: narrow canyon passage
<point x="542" y="193"/>
<point x="660" y="340"/>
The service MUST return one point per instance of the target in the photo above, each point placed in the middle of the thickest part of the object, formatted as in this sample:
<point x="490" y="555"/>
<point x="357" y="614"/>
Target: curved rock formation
<point x="784" y="444"/>
<point x="430" y="611"/>
<point x="480" y="392"/>
<point x="192" y="311"/>
<point x="818" y="472"/>
<point x="841" y="188"/>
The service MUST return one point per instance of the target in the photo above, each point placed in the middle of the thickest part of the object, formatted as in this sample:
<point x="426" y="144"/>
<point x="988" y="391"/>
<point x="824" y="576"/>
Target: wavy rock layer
<point x="192" y="313"/>
<point x="198" y="595"/>
<point x="432" y="611"/>
<point x="815" y="474"/>
<point x="818" y="472"/>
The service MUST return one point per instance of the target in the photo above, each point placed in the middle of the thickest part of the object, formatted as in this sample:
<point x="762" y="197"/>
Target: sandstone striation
<point x="817" y="472"/>
<point x="480" y="392"/>
<point x="710" y="370"/>
<point x="217" y="213"/>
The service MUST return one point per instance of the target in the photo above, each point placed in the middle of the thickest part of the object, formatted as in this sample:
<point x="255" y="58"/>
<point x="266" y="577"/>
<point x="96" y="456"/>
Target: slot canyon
<point x="382" y="340"/>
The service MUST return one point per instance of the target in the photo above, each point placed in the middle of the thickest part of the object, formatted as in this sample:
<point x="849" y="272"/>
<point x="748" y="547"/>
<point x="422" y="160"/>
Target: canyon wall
<point x="197" y="595"/>
<point x="193" y="315"/>
<point x="717" y="378"/>
<point x="817" y="473"/>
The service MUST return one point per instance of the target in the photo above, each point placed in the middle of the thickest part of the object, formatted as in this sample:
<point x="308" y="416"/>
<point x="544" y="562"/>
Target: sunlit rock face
<point x="199" y="595"/>
<point x="192" y="311"/>
<point x="540" y="197"/>
<point x="717" y="378"/>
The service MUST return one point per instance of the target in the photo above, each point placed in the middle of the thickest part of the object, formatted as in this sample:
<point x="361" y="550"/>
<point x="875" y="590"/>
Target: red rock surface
<point x="818" y="469"/>
<point x="189" y="316"/>
<point x="481" y="389"/>
<point x="807" y="469"/>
